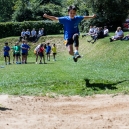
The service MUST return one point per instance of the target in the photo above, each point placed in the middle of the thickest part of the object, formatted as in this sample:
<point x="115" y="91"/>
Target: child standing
<point x="48" y="51"/>
<point x="71" y="31"/>
<point x="41" y="54"/>
<point x="17" y="53"/>
<point x="13" y="49"/>
<point x="54" y="52"/>
<point x="6" y="50"/>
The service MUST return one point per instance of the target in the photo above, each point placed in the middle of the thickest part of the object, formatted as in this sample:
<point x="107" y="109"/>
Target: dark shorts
<point x="41" y="54"/>
<point x="6" y="55"/>
<point x="54" y="53"/>
<point x="14" y="54"/>
<point x="47" y="53"/>
<point x="71" y="41"/>
<point x="17" y="54"/>
<point x="24" y="54"/>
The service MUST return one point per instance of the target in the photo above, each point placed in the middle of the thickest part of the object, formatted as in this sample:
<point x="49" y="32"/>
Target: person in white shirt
<point x="106" y="31"/>
<point x="36" y="52"/>
<point x="33" y="35"/>
<point x="22" y="35"/>
<point x="119" y="34"/>
<point x="27" y="33"/>
<point x="91" y="32"/>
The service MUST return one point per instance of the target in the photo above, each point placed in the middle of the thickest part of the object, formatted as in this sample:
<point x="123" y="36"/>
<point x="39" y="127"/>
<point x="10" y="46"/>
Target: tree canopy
<point x="109" y="12"/>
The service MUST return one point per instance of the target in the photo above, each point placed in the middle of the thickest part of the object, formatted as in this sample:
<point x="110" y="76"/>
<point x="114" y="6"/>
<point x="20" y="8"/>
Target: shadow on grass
<point x="4" y="109"/>
<point x="102" y="86"/>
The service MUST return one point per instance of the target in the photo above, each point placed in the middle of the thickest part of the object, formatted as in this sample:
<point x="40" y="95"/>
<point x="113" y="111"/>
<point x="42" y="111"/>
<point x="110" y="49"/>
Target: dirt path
<point x="96" y="112"/>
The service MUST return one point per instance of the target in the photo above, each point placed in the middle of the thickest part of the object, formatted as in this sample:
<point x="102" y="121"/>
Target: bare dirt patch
<point x="94" y="112"/>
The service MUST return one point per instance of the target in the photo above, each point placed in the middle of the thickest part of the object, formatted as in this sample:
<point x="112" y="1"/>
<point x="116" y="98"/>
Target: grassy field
<point x="103" y="69"/>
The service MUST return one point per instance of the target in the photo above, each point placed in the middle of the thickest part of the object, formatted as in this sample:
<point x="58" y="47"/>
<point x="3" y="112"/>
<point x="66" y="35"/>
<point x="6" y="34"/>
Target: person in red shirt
<point x="41" y="54"/>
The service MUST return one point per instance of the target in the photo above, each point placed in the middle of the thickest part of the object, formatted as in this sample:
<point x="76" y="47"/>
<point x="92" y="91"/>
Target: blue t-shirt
<point x="70" y="25"/>
<point x="48" y="49"/>
<point x="6" y="50"/>
<point x="25" y="46"/>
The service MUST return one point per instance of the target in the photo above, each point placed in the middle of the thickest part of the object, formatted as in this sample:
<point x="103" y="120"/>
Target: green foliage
<point x="15" y="28"/>
<point x="34" y="10"/>
<point x="6" y="10"/>
<point x="109" y="12"/>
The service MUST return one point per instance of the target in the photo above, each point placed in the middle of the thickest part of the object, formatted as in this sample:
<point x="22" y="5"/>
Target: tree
<point x="109" y="12"/>
<point x="6" y="10"/>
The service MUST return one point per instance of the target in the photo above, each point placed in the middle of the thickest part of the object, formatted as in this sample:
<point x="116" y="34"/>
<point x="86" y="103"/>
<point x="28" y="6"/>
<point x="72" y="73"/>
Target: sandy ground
<point x="94" y="112"/>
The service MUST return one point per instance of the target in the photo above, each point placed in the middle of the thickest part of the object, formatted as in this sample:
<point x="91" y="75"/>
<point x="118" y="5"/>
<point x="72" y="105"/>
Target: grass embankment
<point x="103" y="69"/>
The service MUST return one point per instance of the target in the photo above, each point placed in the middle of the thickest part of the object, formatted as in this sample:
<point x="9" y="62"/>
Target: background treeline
<point x="109" y="12"/>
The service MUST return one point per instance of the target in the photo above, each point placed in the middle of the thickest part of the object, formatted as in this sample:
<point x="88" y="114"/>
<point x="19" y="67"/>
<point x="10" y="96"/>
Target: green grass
<point x="105" y="64"/>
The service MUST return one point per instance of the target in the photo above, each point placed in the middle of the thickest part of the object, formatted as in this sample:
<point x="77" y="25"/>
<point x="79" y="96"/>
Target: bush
<point x="15" y="28"/>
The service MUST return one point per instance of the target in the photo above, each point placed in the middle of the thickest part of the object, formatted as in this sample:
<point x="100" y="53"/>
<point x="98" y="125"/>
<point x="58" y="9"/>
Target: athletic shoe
<point x="76" y="55"/>
<point x="75" y="59"/>
<point x="111" y="39"/>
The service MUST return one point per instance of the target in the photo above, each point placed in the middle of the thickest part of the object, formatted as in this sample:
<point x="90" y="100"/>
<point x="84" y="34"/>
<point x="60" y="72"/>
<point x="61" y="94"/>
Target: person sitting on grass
<point x="91" y="32"/>
<point x="6" y="50"/>
<point x="119" y="34"/>
<point x="71" y="30"/>
<point x="22" y="35"/>
<point x="126" y="37"/>
<point x="105" y="31"/>
<point x="97" y="35"/>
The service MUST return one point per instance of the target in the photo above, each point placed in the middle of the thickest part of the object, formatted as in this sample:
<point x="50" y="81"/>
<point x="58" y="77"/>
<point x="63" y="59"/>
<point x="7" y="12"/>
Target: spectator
<point x="42" y="32"/>
<point x="91" y="32"/>
<point x="106" y="31"/>
<point x="119" y="34"/>
<point x="22" y="35"/>
<point x="33" y="35"/>
<point x="6" y="50"/>
<point x="97" y="35"/>
<point x="27" y="34"/>
<point x="126" y="37"/>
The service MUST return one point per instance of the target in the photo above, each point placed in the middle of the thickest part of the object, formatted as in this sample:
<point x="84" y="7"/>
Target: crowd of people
<point x="32" y="35"/>
<point x="97" y="33"/>
<point x="20" y="52"/>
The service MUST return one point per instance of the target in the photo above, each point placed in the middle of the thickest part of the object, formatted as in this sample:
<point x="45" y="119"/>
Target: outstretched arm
<point x="89" y="17"/>
<point x="51" y="17"/>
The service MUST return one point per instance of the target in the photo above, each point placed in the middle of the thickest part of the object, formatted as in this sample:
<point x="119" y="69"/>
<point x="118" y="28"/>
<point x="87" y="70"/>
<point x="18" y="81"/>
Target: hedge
<point x="14" y="28"/>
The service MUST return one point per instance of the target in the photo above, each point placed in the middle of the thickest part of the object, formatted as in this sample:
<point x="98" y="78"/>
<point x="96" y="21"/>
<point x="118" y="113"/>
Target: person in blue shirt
<point x="71" y="31"/>
<point x="25" y="48"/>
<point x="6" y="50"/>
<point x="48" y="51"/>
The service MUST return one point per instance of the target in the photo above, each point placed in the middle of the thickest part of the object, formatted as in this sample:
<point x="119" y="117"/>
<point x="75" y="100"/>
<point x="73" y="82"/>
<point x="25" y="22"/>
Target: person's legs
<point x="36" y="57"/>
<point x="5" y="59"/>
<point x="49" y="56"/>
<point x="16" y="58"/>
<point x="70" y="49"/>
<point x="54" y="56"/>
<point x="76" y="45"/>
